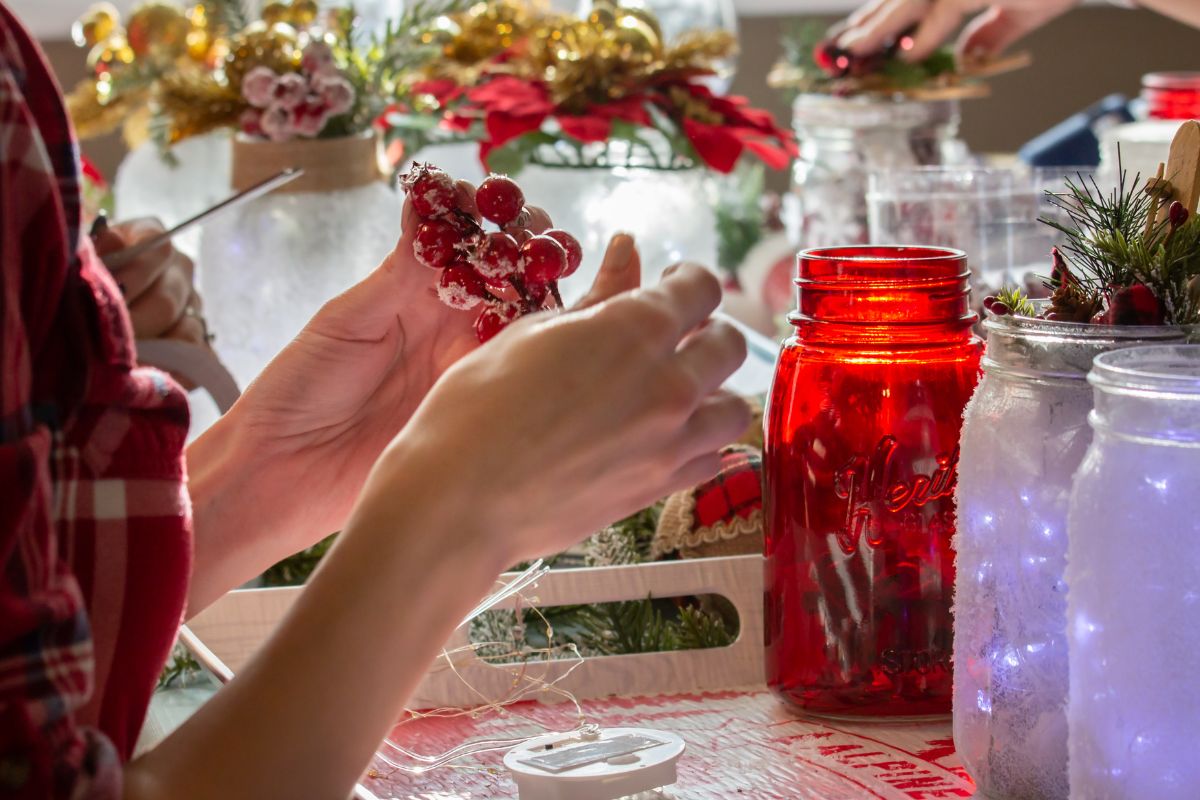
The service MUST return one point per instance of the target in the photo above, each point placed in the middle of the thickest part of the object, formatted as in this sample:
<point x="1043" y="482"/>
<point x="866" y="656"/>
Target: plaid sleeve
<point x="46" y="658"/>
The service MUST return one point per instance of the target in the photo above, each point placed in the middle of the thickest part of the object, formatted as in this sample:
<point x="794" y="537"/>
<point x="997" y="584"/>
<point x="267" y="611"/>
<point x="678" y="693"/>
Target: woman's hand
<point x="1001" y="23"/>
<point x="560" y="424"/>
<point x="568" y="422"/>
<point x="289" y="460"/>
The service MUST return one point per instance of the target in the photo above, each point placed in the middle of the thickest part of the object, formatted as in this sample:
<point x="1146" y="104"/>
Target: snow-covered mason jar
<point x="1134" y="576"/>
<point x="1024" y="434"/>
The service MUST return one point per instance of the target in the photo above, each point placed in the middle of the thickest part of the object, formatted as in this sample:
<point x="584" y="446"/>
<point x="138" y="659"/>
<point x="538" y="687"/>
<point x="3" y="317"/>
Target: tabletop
<point x="740" y="744"/>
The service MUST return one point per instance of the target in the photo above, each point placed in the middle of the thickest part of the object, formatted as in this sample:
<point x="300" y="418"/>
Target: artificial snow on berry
<point x="499" y="199"/>
<point x="543" y="260"/>
<point x="460" y="287"/>
<point x="436" y="242"/>
<point x="497" y="257"/>
<point x="495" y="318"/>
<point x="432" y="191"/>
<point x="571" y="245"/>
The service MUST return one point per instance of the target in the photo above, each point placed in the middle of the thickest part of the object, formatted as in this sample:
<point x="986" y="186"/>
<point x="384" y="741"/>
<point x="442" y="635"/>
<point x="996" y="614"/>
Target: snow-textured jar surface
<point x="266" y="269"/>
<point x="1024" y="434"/>
<point x="1134" y="577"/>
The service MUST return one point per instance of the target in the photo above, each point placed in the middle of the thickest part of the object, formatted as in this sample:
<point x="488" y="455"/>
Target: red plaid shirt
<point x="95" y="528"/>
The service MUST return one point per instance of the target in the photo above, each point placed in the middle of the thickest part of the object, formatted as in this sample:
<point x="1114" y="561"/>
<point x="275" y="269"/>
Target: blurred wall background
<point x="1079" y="58"/>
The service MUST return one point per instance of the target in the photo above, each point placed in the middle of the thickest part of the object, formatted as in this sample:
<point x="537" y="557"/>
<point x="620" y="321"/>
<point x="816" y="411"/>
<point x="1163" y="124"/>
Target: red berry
<point x="999" y="309"/>
<point x="432" y="191"/>
<point x="435" y="243"/>
<point x="571" y="245"/>
<point x="989" y="301"/>
<point x="1177" y="213"/>
<point x="522" y="235"/>
<point x="460" y="287"/>
<point x="543" y="260"/>
<point x="494" y="319"/>
<point x="499" y="199"/>
<point x="497" y="257"/>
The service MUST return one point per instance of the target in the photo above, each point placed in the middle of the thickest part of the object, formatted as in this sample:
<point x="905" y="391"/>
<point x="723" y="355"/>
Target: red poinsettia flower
<point x="742" y="128"/>
<point x="91" y="173"/>
<point x="596" y="125"/>
<point x="512" y="107"/>
<point x="442" y="90"/>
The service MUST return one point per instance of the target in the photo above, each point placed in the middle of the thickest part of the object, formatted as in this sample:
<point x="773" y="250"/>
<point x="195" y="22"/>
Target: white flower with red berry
<point x="317" y="59"/>
<point x="295" y="104"/>
<point x="258" y="86"/>
<point x="510" y="271"/>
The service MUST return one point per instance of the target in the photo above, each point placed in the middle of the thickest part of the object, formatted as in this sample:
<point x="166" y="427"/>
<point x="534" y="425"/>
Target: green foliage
<point x="229" y="14"/>
<point x="635" y="626"/>
<point x="181" y="670"/>
<point x="294" y="570"/>
<point x="377" y="67"/>
<point x="624" y="542"/>
<point x="1108" y="247"/>
<point x="740" y="217"/>
<point x="698" y="630"/>
<point x="1017" y="302"/>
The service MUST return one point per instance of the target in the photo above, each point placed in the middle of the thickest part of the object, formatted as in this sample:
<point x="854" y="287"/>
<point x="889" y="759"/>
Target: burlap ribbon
<point x="328" y="164"/>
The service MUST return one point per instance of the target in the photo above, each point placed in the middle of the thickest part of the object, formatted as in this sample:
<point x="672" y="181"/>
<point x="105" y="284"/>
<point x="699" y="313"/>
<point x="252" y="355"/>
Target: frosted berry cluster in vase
<point x="505" y="272"/>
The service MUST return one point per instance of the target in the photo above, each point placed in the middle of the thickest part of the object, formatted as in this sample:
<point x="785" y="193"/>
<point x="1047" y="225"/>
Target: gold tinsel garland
<point x="183" y="66"/>
<point x="186" y="65"/>
<point x="193" y="104"/>
<point x="614" y="53"/>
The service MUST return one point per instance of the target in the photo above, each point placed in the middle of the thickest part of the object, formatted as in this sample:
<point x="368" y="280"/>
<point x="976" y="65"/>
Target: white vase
<point x="266" y="269"/>
<point x="669" y="212"/>
<point x="192" y="176"/>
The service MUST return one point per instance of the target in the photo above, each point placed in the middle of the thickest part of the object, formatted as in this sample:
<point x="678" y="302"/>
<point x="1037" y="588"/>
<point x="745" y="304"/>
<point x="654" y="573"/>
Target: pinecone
<point x="1071" y="304"/>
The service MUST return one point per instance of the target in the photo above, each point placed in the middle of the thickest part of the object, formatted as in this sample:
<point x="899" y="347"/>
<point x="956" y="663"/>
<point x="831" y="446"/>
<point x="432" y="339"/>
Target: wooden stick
<point x="1183" y="169"/>
<point x="1156" y="187"/>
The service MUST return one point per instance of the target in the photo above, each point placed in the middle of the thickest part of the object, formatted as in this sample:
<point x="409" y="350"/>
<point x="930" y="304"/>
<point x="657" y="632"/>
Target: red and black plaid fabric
<point x="735" y="492"/>
<point x="95" y="529"/>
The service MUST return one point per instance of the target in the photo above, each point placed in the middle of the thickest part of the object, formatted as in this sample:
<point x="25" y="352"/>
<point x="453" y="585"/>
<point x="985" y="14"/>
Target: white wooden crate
<point x="225" y="636"/>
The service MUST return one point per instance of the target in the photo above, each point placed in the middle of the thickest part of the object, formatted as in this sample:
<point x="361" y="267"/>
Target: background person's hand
<point x="1001" y="23"/>
<point x="156" y="284"/>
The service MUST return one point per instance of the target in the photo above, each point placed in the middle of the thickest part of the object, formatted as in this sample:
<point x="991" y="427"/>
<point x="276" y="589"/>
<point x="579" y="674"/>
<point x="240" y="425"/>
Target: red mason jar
<point x="860" y="468"/>
<point x="1172" y="95"/>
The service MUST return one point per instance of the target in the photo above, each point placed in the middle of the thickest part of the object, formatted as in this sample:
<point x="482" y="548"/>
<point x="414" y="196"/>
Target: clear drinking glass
<point x="1134" y="574"/>
<point x="990" y="213"/>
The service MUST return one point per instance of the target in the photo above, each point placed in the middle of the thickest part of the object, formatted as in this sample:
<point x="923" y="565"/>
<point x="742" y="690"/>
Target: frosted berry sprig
<point x="509" y="271"/>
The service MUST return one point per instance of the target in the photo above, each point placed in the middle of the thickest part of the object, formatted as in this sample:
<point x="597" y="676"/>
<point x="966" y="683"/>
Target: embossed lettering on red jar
<point x="861" y="456"/>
